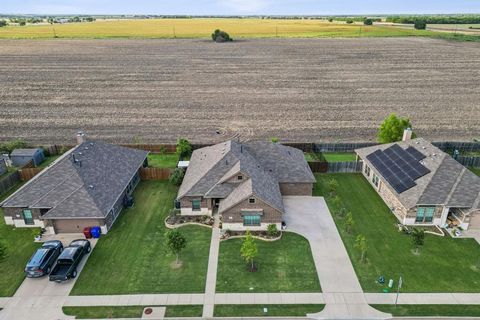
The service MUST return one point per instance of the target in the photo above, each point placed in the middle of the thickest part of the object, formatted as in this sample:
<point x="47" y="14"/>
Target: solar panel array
<point x="400" y="167"/>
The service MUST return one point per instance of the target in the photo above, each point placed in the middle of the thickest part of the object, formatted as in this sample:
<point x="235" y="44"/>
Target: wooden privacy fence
<point x="8" y="181"/>
<point x="155" y="173"/>
<point x="318" y="166"/>
<point x="348" y="166"/>
<point x="469" y="161"/>
<point x="28" y="173"/>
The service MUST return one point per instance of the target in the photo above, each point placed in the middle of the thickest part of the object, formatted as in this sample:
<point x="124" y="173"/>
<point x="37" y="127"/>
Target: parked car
<point x="66" y="267"/>
<point x="43" y="259"/>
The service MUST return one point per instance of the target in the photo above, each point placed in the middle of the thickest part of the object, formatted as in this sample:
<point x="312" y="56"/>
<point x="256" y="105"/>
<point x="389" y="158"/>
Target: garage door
<point x="474" y="221"/>
<point x="73" y="225"/>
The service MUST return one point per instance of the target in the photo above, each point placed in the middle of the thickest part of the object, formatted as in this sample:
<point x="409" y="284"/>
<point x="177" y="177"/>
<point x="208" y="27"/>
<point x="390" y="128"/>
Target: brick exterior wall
<point x="234" y="214"/>
<point x="186" y="206"/>
<point x="296" y="189"/>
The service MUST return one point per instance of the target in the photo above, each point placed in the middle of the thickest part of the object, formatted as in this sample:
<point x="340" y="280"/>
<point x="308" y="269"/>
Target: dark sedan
<point x="43" y="259"/>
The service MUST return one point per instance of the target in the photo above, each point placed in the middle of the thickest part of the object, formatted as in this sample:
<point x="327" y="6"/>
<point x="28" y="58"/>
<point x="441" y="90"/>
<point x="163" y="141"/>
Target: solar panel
<point x="399" y="167"/>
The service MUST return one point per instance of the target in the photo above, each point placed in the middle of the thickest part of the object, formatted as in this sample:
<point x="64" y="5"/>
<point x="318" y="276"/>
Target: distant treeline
<point x="440" y="19"/>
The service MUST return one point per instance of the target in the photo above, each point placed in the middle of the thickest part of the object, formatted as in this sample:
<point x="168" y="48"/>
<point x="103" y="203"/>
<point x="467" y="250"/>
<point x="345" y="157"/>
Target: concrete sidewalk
<point x="211" y="282"/>
<point x="423" y="298"/>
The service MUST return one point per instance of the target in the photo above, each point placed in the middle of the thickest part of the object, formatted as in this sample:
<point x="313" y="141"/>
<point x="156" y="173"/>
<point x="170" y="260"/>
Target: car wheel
<point x="74" y="273"/>
<point x="48" y="270"/>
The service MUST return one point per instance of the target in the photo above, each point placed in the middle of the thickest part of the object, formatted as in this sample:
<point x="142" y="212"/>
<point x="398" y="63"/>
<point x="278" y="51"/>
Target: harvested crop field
<point x="294" y="89"/>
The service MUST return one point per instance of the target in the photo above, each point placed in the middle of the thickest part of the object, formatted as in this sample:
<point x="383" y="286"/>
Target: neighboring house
<point x="245" y="182"/>
<point x="87" y="186"/>
<point x="422" y="185"/>
<point x="21" y="157"/>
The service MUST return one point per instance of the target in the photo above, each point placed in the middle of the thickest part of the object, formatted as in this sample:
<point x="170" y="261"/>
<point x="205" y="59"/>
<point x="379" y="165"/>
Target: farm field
<point x="158" y="90"/>
<point x="202" y="28"/>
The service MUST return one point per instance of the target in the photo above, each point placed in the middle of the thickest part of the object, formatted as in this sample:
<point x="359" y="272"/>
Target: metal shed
<point x="21" y="157"/>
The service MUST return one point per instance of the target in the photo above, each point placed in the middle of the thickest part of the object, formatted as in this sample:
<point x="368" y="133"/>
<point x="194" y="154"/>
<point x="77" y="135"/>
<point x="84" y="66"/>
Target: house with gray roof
<point x="423" y="185"/>
<point x="245" y="182"/>
<point x="86" y="186"/>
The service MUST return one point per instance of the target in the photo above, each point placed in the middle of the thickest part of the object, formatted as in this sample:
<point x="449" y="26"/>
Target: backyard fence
<point x="8" y="181"/>
<point x="340" y="147"/>
<point x="318" y="166"/>
<point x="155" y="173"/>
<point x="469" y="161"/>
<point x="28" y="173"/>
<point x="347" y="166"/>
<point x="449" y="146"/>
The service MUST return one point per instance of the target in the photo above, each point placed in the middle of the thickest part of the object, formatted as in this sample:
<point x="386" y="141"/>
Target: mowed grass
<point x="273" y="310"/>
<point x="430" y="310"/>
<point x="168" y="160"/>
<point x="339" y="156"/>
<point x="19" y="248"/>
<point x="444" y="264"/>
<point x="112" y="312"/>
<point x="475" y="170"/>
<point x="285" y="265"/>
<point x="132" y="257"/>
<point x="202" y="28"/>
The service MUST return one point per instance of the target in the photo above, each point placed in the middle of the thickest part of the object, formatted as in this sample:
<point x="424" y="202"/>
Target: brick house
<point x="423" y="185"/>
<point x="245" y="182"/>
<point x="86" y="186"/>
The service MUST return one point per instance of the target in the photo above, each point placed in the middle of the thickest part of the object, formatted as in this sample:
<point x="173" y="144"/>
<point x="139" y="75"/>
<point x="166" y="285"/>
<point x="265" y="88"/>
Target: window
<point x="196" y="205"/>
<point x="239" y="177"/>
<point x="367" y="170"/>
<point x="375" y="180"/>
<point x="251" y="200"/>
<point x="251" y="220"/>
<point x="425" y="214"/>
<point x="27" y="216"/>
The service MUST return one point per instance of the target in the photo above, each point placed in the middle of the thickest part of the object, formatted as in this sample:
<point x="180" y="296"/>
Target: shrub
<point x="176" y="177"/>
<point x="349" y="223"/>
<point x="272" y="230"/>
<point x="3" y="23"/>
<point x="184" y="148"/>
<point x="332" y="185"/>
<point x="330" y="20"/>
<point x="420" y="24"/>
<point x="368" y="22"/>
<point x="349" y="21"/>
<point x="221" y="36"/>
<point x="12" y="145"/>
<point x="274" y="140"/>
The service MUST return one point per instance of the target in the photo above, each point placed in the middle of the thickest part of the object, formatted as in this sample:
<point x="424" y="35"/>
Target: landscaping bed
<point x="273" y="310"/>
<point x="133" y="258"/>
<point x="443" y="265"/>
<point x="285" y="265"/>
<point x="174" y="220"/>
<point x="261" y="235"/>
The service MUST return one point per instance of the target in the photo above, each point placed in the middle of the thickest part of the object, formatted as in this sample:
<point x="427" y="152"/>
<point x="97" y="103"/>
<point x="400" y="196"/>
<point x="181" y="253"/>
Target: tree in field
<point x="3" y="23"/>
<point x="220" y="36"/>
<point x="184" y="148"/>
<point x="249" y="250"/>
<point x="349" y="21"/>
<point x="176" y="177"/>
<point x="349" y="222"/>
<point x="420" y="24"/>
<point x="361" y="245"/>
<point x="368" y="22"/>
<point x="391" y="129"/>
<point x="418" y="239"/>
<point x="175" y="243"/>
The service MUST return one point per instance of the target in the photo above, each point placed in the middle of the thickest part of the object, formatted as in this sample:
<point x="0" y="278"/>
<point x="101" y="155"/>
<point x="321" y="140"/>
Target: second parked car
<point x="68" y="261"/>
<point x="43" y="259"/>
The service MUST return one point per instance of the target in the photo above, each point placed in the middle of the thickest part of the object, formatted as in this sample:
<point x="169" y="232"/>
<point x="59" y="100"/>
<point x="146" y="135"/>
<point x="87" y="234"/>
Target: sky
<point x="239" y="7"/>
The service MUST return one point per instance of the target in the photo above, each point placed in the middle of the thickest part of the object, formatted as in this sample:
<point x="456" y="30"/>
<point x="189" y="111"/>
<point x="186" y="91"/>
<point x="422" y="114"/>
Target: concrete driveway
<point x="38" y="298"/>
<point x="310" y="217"/>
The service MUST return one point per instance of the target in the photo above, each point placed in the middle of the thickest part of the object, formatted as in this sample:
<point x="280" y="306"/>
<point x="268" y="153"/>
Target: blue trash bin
<point x="96" y="231"/>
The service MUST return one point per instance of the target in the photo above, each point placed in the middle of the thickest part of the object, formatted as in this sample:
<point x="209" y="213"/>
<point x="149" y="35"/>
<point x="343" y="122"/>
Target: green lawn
<point x="285" y="265"/>
<point x="475" y="170"/>
<point x="314" y="156"/>
<point x="132" y="257"/>
<point x="339" y="156"/>
<point x="19" y="247"/>
<point x="444" y="265"/>
<point x="108" y="312"/>
<point x="168" y="160"/>
<point x="273" y="310"/>
<point x="48" y="161"/>
<point x="430" y="310"/>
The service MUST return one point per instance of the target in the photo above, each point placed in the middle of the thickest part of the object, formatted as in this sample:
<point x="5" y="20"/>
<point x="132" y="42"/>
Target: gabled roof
<point x="264" y="164"/>
<point x="84" y="182"/>
<point x="448" y="183"/>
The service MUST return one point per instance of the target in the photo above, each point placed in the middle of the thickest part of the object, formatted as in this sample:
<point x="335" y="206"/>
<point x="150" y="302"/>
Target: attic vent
<point x="226" y="161"/>
<point x="424" y="148"/>
<point x="86" y="148"/>
<point x="288" y="152"/>
<point x="434" y="154"/>
<point x="91" y="186"/>
<point x="79" y="153"/>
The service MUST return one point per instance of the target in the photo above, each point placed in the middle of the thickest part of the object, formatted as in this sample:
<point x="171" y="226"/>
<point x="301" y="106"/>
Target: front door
<point x="216" y="203"/>
<point x="27" y="216"/>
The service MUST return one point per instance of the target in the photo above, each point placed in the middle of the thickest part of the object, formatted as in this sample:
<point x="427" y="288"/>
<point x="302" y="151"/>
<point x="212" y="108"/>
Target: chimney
<point x="81" y="138"/>
<point x="407" y="134"/>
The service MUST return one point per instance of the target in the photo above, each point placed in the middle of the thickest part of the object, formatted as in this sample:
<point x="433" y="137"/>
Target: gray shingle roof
<point x="265" y="164"/>
<point x="87" y="188"/>
<point x="24" y="152"/>
<point x="449" y="183"/>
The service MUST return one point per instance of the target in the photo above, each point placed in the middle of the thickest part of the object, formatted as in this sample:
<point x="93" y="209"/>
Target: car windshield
<point x="37" y="258"/>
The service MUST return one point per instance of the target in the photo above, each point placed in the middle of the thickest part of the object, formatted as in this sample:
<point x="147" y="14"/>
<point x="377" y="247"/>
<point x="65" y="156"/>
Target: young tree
<point x="420" y="24"/>
<point x="175" y="242"/>
<point x="274" y="140"/>
<point x="361" y="245"/>
<point x="418" y="239"/>
<point x="272" y="230"/>
<point x="391" y="129"/>
<point x="332" y="185"/>
<point x="349" y="222"/>
<point x="337" y="201"/>
<point x="249" y="250"/>
<point x="176" y="177"/>
<point x="184" y="148"/>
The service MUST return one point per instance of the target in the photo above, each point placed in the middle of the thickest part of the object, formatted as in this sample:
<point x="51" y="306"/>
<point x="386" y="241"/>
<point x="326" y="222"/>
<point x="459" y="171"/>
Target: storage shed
<point x="21" y="157"/>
